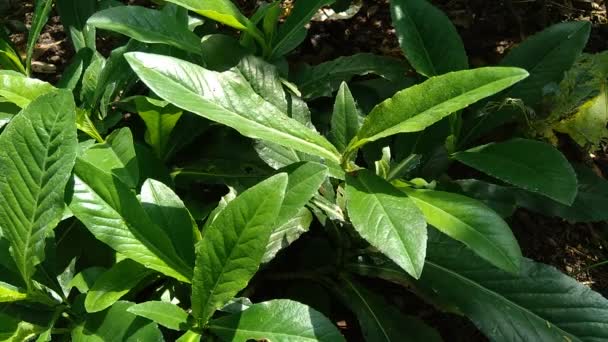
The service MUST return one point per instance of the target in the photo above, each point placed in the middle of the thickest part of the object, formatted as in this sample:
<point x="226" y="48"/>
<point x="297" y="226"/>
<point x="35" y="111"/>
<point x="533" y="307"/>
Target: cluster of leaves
<point x="96" y="244"/>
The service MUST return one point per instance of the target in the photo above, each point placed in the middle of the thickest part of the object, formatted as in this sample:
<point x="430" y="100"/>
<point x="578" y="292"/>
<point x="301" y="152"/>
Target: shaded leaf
<point x="166" y="314"/>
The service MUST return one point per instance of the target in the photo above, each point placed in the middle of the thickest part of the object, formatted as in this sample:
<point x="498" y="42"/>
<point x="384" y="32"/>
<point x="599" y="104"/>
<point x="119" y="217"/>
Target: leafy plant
<point x="223" y="184"/>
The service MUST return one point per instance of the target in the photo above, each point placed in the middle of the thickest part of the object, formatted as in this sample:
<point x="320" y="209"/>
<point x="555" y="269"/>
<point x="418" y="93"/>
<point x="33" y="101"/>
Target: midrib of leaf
<point x="146" y="243"/>
<point x="469" y="228"/>
<point x="371" y="311"/>
<point x="238" y="240"/>
<point x="35" y="213"/>
<point x="421" y="42"/>
<point x="496" y="295"/>
<point x="378" y="203"/>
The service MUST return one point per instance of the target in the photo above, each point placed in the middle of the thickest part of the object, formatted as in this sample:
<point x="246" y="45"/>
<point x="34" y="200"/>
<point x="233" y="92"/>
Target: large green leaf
<point x="323" y="79"/>
<point x="114" y="283"/>
<point x="546" y="56"/>
<point x="41" y="16"/>
<point x="279" y="320"/>
<point x="387" y="219"/>
<point x="21" y="90"/>
<point x="472" y="223"/>
<point x="381" y="321"/>
<point x="168" y="211"/>
<point x="293" y="31"/>
<point x="146" y="25"/>
<point x="345" y="119"/>
<point x="539" y="304"/>
<point x="418" y="107"/>
<point x="111" y="211"/>
<point x="116" y="324"/>
<point x="74" y="15"/>
<point x="116" y="156"/>
<point x="531" y="165"/>
<point x="233" y="245"/>
<point x="37" y="153"/>
<point x="428" y="38"/>
<point x="166" y="314"/>
<point x="228" y="99"/>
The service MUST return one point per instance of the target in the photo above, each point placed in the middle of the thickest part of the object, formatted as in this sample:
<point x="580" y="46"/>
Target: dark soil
<point x="488" y="29"/>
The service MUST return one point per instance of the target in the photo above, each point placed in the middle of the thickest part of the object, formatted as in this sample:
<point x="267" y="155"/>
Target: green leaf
<point x="531" y="165"/>
<point x="37" y="153"/>
<point x="323" y="79"/>
<point x="293" y="31"/>
<point x="111" y="211"/>
<point x="233" y="246"/>
<point x="21" y="90"/>
<point x="74" y="15"/>
<point x="168" y="211"/>
<point x="420" y="106"/>
<point x="345" y="120"/>
<point x="542" y="303"/>
<point x="166" y="314"/>
<point x="9" y="58"/>
<point x="10" y="293"/>
<point x="116" y="324"/>
<point x="387" y="219"/>
<point x="428" y="38"/>
<point x="284" y="235"/>
<point x="228" y="99"/>
<point x="160" y="118"/>
<point x="279" y="320"/>
<point x="379" y="320"/>
<point x="41" y="16"/>
<point x="472" y="223"/>
<point x="222" y="11"/>
<point x="116" y="156"/>
<point x="304" y="181"/>
<point x="189" y="336"/>
<point x="546" y="56"/>
<point x="114" y="283"/>
<point x="146" y="25"/>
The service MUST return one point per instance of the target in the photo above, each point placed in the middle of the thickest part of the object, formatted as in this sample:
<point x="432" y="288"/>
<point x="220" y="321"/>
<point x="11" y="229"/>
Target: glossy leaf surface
<point x="166" y="314"/>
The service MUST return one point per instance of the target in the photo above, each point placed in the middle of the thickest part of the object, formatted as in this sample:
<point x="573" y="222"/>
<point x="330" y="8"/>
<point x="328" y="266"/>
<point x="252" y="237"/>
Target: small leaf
<point x="146" y="25"/>
<point x="528" y="164"/>
<point x="114" y="283"/>
<point x="304" y="181"/>
<point x="37" y="153"/>
<point x="166" y="314"/>
<point x="160" y="119"/>
<point x="345" y="120"/>
<point x="222" y="11"/>
<point x="116" y="324"/>
<point x="472" y="223"/>
<point x="427" y="37"/>
<point x="233" y="246"/>
<point x="285" y="234"/>
<point x="293" y="31"/>
<point x="41" y="16"/>
<point x="323" y="79"/>
<point x="279" y="320"/>
<point x="387" y="219"/>
<point x="9" y="58"/>
<point x="226" y="98"/>
<point x="420" y="106"/>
